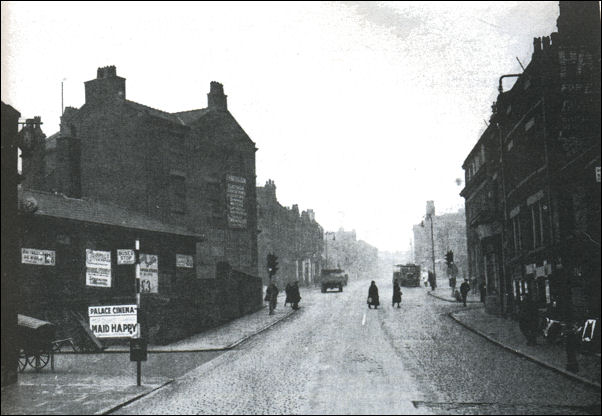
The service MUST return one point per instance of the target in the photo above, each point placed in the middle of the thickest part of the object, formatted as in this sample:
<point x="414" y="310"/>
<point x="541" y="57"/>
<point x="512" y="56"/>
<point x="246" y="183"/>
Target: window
<point x="178" y="193"/>
<point x="516" y="234"/>
<point x="537" y="224"/>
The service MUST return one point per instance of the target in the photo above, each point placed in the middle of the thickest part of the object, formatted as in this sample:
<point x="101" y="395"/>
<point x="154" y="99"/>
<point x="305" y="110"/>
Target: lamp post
<point x="430" y="213"/>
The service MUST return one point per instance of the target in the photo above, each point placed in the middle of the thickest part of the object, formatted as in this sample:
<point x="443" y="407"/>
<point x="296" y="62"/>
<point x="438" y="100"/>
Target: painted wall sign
<point x="38" y="257"/>
<point x="114" y="321"/>
<point x="235" y="196"/>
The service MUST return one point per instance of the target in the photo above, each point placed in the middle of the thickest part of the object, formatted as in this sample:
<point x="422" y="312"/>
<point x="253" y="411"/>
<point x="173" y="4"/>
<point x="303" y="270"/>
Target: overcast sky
<point x="361" y="111"/>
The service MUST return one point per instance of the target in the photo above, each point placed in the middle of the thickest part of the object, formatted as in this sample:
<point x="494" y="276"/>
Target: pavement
<point x="506" y="333"/>
<point x="445" y="294"/>
<point x="99" y="383"/>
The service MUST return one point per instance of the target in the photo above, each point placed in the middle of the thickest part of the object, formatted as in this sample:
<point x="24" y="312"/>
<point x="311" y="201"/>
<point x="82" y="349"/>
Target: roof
<point x="189" y="117"/>
<point x="183" y="118"/>
<point x="154" y="112"/>
<point x="92" y="211"/>
<point x="51" y="141"/>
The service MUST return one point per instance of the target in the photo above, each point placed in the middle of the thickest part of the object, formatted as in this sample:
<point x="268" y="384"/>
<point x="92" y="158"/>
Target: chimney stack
<point x="107" y="86"/>
<point x="216" y="99"/>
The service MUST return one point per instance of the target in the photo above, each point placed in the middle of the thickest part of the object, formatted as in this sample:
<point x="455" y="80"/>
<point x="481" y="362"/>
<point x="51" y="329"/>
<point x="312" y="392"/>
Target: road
<point x="335" y="356"/>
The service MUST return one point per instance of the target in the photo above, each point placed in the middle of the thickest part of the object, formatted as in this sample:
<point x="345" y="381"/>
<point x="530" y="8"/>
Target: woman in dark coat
<point x="396" y="294"/>
<point x="373" y="296"/>
<point x="295" y="296"/>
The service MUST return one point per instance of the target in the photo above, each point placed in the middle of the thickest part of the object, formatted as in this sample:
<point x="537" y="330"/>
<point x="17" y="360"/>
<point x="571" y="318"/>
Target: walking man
<point x="271" y="296"/>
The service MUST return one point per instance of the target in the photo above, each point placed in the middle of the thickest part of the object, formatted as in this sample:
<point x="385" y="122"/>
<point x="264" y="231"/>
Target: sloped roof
<point x="188" y="117"/>
<point x="51" y="141"/>
<point x="87" y="210"/>
<point x="154" y="112"/>
<point x="183" y="118"/>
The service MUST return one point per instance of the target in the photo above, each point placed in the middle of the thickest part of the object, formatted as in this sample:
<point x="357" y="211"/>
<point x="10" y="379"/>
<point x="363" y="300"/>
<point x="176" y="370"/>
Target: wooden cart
<point x="37" y="343"/>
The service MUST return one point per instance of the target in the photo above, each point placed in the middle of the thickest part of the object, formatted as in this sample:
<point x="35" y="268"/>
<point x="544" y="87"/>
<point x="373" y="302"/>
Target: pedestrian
<point x="373" y="296"/>
<point x="295" y="296"/>
<point x="452" y="284"/>
<point x="464" y="289"/>
<point x="432" y="280"/>
<point x="396" y="294"/>
<point x="288" y="291"/>
<point x="483" y="290"/>
<point x="271" y="296"/>
<point x="528" y="319"/>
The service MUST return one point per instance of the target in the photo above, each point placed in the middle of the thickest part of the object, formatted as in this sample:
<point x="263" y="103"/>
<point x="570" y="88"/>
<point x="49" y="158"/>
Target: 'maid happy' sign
<point x="114" y="321"/>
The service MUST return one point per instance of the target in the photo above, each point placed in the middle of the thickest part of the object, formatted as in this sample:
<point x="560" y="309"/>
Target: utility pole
<point x="433" y="247"/>
<point x="430" y="213"/>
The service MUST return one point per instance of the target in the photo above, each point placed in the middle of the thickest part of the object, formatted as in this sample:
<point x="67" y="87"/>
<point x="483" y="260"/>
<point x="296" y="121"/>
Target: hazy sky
<point x="361" y="111"/>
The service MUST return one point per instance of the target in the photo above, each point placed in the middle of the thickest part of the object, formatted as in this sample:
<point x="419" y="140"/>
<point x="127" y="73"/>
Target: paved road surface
<point x="335" y="356"/>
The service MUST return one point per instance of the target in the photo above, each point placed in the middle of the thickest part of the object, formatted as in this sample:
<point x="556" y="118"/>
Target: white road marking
<point x="364" y="319"/>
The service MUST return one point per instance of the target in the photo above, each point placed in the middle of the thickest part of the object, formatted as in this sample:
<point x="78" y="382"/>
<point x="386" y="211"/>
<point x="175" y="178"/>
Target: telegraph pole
<point x="433" y="248"/>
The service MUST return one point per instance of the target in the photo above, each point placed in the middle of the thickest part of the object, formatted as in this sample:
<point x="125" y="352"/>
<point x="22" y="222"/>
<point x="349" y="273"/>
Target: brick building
<point x="194" y="169"/>
<point x="449" y="233"/>
<point x="296" y="238"/>
<point x="532" y="181"/>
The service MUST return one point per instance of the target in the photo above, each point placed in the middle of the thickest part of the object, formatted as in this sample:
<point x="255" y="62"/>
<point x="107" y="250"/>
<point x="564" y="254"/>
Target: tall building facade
<point x="295" y="238"/>
<point x="533" y="179"/>
<point x="192" y="168"/>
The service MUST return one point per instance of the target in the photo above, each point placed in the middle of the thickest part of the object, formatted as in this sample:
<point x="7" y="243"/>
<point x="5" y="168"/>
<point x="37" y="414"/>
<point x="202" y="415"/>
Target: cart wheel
<point x="39" y="360"/>
<point x="22" y="362"/>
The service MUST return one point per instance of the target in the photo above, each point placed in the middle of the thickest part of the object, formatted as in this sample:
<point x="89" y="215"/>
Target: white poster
<point x="115" y="321"/>
<point x="98" y="268"/>
<point x="38" y="257"/>
<point x="98" y="277"/>
<point x="184" y="261"/>
<point x="126" y="256"/>
<point x="149" y="273"/>
<point x="95" y="258"/>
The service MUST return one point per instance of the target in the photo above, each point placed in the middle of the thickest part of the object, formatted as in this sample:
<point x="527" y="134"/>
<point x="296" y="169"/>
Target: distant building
<point x="343" y="250"/>
<point x="295" y="238"/>
<point x="533" y="179"/>
<point x="449" y="232"/>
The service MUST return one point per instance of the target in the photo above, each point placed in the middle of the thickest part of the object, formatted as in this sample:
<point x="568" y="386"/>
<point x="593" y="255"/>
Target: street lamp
<point x="430" y="213"/>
